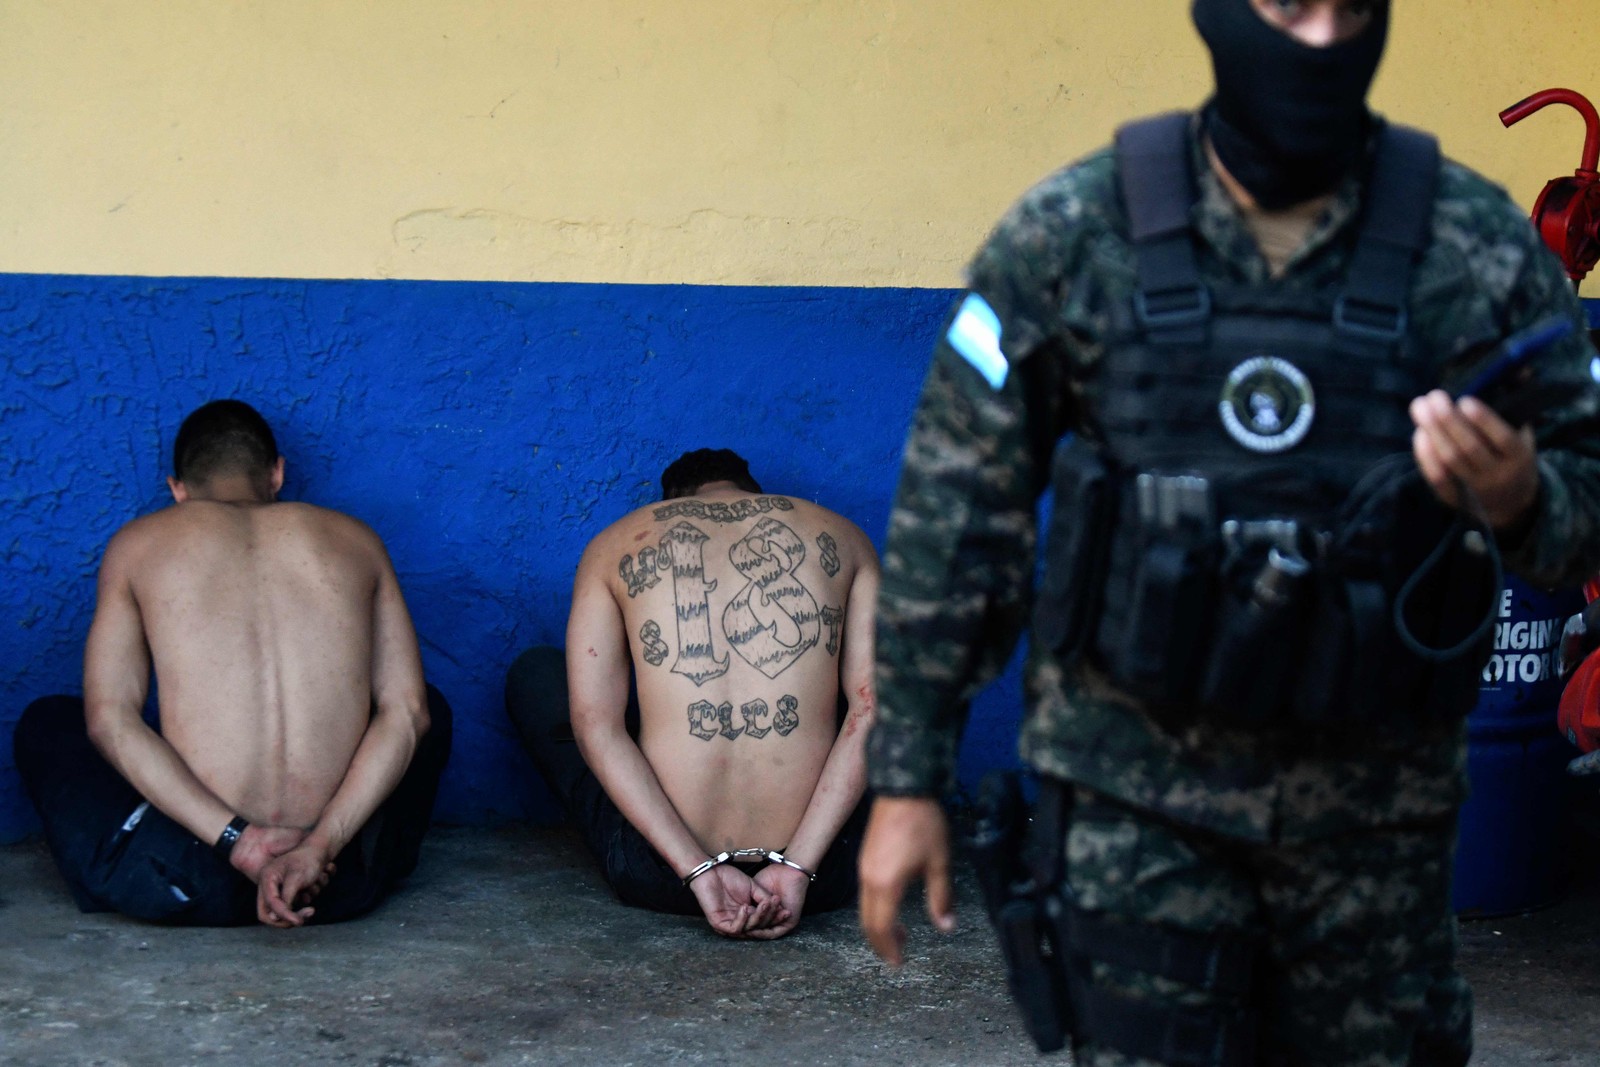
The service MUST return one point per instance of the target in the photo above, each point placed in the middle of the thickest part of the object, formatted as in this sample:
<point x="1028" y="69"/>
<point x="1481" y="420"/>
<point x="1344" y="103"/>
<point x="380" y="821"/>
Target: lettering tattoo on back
<point x="707" y="721"/>
<point x="830" y="554"/>
<point x="774" y="619"/>
<point x="655" y="649"/>
<point x="703" y="720"/>
<point x="833" y="618"/>
<point x="722" y="511"/>
<point x="757" y="718"/>
<point x="788" y="715"/>
<point x="644" y="576"/>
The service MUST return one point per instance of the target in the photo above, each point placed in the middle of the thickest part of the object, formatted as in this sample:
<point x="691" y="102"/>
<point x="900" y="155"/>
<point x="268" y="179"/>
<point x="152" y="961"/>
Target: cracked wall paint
<point x="485" y="430"/>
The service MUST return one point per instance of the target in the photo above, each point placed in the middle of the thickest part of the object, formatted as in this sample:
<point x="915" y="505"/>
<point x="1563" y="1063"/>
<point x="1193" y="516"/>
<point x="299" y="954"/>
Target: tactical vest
<point x="1248" y="537"/>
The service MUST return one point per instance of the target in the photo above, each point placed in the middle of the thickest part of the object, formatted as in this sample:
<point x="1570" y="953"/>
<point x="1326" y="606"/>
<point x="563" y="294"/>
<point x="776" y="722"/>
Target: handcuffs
<point x="768" y="854"/>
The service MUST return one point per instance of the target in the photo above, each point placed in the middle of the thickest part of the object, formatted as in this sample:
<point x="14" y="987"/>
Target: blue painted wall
<point x="485" y="430"/>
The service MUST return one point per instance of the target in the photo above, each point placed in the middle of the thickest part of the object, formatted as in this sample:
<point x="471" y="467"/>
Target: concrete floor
<point x="505" y="948"/>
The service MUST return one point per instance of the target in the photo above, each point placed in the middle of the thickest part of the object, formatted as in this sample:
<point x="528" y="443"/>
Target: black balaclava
<point x="1289" y="120"/>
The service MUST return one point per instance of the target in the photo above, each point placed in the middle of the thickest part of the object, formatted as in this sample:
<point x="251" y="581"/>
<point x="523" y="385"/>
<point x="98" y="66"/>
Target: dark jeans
<point x="120" y="854"/>
<point x="536" y="700"/>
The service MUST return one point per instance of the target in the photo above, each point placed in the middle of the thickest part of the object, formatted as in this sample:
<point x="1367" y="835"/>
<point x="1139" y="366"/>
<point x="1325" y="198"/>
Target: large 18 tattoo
<point x="771" y="622"/>
<point x="774" y="619"/>
<point x="721" y="511"/>
<point x="707" y="720"/>
<point x="684" y="547"/>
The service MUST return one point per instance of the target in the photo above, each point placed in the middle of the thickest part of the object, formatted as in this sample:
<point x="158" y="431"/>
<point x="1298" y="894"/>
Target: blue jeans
<point x="119" y="853"/>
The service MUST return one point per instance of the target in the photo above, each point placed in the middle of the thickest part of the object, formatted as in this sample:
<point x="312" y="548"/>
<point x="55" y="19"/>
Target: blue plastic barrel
<point x="1511" y="852"/>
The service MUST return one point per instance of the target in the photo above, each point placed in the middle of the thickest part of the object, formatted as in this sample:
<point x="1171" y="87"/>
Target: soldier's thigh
<point x="1127" y="868"/>
<point x="1363" y="940"/>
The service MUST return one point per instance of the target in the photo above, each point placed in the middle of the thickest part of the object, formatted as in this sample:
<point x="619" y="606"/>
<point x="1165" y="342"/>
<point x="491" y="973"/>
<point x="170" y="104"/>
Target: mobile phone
<point x="1510" y="384"/>
<point x="1514" y="355"/>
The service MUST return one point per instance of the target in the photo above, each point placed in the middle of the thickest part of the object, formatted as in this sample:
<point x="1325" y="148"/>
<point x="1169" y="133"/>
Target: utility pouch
<point x="1075" y="548"/>
<point x="1349" y="643"/>
<point x="1264" y="612"/>
<point x="1153" y="638"/>
<point x="1165" y="634"/>
<point x="1320" y="684"/>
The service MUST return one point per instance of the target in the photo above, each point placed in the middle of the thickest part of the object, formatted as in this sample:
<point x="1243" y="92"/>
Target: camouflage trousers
<point x="1354" y="937"/>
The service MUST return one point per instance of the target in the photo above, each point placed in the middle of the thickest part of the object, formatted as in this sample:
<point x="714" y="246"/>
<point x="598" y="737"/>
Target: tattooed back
<point x="735" y="610"/>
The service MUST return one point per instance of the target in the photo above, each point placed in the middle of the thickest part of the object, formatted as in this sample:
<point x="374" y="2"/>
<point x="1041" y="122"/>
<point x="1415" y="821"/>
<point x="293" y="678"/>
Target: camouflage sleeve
<point x="1486" y="276"/>
<point x="1562" y="546"/>
<point x="957" y="570"/>
<point x="958" y="563"/>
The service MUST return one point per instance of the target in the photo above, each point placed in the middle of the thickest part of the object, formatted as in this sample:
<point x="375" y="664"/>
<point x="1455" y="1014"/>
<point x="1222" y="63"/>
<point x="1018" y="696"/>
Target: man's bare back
<point x="290" y="689"/>
<point x="743" y="617"/>
<point x="734" y="607"/>
<point x="259" y="621"/>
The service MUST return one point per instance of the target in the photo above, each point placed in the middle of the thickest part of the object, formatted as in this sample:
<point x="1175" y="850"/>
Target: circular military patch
<point x="1267" y="404"/>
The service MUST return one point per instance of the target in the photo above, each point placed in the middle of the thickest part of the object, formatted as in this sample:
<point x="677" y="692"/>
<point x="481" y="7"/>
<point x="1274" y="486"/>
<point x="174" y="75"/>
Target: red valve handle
<point x="1591" y="140"/>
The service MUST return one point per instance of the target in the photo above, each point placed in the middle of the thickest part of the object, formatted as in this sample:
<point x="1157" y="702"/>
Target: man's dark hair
<point x="223" y="437"/>
<point x="686" y="474"/>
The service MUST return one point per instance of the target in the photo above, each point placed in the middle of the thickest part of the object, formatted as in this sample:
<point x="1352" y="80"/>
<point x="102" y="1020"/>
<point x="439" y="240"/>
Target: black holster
<point x="1049" y="945"/>
<point x="1016" y="908"/>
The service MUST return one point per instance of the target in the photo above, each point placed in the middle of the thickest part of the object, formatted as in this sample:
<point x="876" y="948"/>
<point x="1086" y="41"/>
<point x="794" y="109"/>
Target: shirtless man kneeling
<point x="739" y="616"/>
<point x="295" y="767"/>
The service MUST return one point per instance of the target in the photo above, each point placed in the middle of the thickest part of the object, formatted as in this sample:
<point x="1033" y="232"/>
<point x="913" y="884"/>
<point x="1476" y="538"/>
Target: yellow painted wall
<point x="797" y="142"/>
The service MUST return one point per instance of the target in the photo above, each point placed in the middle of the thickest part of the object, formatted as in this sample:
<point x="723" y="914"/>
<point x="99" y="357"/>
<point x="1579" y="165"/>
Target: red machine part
<point x="1567" y="213"/>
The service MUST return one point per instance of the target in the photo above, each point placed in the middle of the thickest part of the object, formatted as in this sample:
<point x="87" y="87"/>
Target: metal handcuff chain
<point x="771" y="855"/>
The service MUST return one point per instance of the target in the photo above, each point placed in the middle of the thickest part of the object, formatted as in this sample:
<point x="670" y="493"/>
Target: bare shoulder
<point x="136" y="537"/>
<point x="330" y="542"/>
<point x="636" y="527"/>
<point x="331" y="524"/>
<point x="836" y="534"/>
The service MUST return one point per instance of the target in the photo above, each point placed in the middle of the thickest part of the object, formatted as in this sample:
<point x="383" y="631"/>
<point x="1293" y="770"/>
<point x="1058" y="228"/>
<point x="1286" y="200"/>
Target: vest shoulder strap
<point x="1158" y="190"/>
<point x="1396" y="225"/>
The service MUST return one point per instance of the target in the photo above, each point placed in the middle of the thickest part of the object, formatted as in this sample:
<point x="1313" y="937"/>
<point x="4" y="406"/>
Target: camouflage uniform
<point x="1335" y="852"/>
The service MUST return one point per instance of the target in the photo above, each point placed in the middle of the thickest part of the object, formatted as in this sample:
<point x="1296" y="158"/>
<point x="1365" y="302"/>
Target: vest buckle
<point x="1172" y="308"/>
<point x="1369" y="320"/>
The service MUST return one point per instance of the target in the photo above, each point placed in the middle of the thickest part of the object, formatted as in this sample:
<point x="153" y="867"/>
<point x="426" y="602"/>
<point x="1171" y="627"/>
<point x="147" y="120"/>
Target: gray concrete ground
<point x="505" y="948"/>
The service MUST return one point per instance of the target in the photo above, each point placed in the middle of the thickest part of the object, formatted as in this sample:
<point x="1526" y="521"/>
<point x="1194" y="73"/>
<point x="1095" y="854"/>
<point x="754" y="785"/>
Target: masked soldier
<point x="1237" y="345"/>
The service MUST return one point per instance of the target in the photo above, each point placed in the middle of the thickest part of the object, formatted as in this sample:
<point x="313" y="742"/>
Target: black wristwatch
<point x="230" y="836"/>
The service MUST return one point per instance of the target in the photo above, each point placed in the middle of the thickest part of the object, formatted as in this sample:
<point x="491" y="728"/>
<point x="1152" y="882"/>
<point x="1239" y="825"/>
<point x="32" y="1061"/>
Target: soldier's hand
<point x="906" y="839"/>
<point x="1467" y="440"/>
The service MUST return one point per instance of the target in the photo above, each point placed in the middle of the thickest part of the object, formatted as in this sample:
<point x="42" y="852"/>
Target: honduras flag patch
<point x="975" y="335"/>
